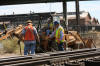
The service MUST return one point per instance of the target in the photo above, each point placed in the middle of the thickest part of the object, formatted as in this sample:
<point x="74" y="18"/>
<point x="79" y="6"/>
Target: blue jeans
<point x="61" y="46"/>
<point x="29" y="46"/>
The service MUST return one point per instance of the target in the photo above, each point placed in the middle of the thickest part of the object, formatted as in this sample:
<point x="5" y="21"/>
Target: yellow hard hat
<point x="29" y="21"/>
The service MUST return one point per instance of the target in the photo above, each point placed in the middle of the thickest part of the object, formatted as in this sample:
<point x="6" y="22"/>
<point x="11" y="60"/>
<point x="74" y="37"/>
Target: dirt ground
<point x="8" y="55"/>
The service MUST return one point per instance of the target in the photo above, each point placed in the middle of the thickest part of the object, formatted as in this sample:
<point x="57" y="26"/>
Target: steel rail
<point x="49" y="57"/>
<point x="75" y="51"/>
<point x="55" y="58"/>
<point x="25" y="60"/>
<point x="50" y="53"/>
<point x="59" y="59"/>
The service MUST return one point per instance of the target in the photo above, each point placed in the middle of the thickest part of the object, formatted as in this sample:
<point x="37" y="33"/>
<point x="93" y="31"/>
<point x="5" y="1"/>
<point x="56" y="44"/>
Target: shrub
<point x="10" y="45"/>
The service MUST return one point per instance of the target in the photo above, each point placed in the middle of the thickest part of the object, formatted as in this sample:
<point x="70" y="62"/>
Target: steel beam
<point x="77" y="15"/>
<point x="65" y="13"/>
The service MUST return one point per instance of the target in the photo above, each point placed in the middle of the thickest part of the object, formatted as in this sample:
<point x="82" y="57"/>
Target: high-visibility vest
<point x="29" y="34"/>
<point x="57" y="35"/>
<point x="50" y="26"/>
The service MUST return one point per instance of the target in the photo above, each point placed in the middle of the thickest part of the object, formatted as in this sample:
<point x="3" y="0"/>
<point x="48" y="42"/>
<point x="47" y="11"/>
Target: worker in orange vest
<point x="30" y="35"/>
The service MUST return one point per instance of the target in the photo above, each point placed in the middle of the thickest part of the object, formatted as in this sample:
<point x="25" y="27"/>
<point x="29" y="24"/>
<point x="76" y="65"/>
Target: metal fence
<point x="95" y="36"/>
<point x="84" y="28"/>
<point x="89" y="35"/>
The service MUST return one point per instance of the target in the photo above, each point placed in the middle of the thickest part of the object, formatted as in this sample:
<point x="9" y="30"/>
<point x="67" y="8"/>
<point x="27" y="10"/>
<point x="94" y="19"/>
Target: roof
<point x="10" y="2"/>
<point x="33" y="14"/>
<point x="82" y="15"/>
<point x="72" y="15"/>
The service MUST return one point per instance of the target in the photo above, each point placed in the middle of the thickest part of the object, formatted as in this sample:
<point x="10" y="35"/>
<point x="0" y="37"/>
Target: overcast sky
<point x="93" y="7"/>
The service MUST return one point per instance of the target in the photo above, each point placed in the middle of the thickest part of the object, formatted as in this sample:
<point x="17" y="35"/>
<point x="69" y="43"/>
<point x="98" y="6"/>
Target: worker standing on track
<point x="59" y="35"/>
<point x="30" y="35"/>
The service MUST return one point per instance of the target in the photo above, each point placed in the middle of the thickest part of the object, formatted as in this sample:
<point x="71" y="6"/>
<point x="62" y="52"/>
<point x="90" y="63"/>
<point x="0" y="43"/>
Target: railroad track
<point x="81" y="57"/>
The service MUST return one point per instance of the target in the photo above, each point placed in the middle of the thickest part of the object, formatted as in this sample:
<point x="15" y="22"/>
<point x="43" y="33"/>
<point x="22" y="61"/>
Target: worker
<point x="30" y="36"/>
<point x="59" y="35"/>
<point x="62" y="22"/>
<point x="49" y="26"/>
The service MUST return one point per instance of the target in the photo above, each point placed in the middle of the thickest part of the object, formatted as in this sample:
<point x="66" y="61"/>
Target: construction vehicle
<point x="74" y="40"/>
<point x="6" y="34"/>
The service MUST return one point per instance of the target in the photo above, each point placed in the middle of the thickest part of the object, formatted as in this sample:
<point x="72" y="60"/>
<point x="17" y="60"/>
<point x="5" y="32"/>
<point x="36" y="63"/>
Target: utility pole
<point x="77" y="15"/>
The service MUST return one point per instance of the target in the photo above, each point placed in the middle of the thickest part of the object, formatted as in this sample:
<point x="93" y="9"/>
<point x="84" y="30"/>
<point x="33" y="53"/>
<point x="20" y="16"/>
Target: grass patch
<point x="11" y="45"/>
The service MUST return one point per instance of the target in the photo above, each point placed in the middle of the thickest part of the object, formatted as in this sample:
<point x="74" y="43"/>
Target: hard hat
<point x="49" y="20"/>
<point x="29" y="21"/>
<point x="56" y="22"/>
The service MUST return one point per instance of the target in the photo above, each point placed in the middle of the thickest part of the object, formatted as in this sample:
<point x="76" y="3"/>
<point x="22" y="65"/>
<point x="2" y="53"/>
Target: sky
<point x="93" y="7"/>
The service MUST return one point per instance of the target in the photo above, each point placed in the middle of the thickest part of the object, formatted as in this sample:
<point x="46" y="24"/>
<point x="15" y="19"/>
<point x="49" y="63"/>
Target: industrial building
<point x="41" y="18"/>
